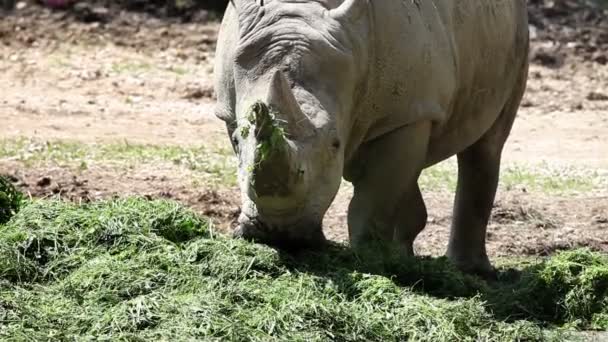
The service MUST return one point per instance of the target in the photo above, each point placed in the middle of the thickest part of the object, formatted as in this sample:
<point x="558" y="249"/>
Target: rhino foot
<point x="479" y="266"/>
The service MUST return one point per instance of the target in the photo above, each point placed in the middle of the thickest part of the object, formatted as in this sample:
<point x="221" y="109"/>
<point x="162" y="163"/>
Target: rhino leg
<point x="478" y="174"/>
<point x="478" y="171"/>
<point x="388" y="166"/>
<point x="410" y="219"/>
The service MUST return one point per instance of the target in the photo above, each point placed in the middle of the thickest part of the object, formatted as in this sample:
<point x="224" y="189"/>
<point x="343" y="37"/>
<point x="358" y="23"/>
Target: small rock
<point x="548" y="58"/>
<point x="527" y="104"/>
<point x="595" y="96"/>
<point x="533" y="32"/>
<point x="601" y="59"/>
<point x="536" y="75"/>
<point x="85" y="13"/>
<point x="12" y="178"/>
<point x="198" y="93"/>
<point x="601" y="219"/>
<point x="577" y="106"/>
<point x="44" y="182"/>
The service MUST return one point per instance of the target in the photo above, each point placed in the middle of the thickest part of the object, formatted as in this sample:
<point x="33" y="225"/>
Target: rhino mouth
<point x="296" y="236"/>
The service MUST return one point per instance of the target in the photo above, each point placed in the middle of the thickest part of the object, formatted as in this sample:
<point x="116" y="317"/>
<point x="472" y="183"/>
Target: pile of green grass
<point x="132" y="269"/>
<point x="10" y="200"/>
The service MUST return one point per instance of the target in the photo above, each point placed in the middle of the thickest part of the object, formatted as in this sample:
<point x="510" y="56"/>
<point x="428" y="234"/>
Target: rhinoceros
<point x="373" y="92"/>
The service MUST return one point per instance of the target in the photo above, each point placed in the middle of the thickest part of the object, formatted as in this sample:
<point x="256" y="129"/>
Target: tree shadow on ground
<point x="535" y="291"/>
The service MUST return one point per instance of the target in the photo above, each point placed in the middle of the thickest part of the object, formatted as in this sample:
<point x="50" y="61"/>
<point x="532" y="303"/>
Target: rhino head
<point x="295" y="79"/>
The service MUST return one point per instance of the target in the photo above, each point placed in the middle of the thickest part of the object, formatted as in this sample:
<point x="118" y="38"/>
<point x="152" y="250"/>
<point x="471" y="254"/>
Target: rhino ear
<point x="349" y="10"/>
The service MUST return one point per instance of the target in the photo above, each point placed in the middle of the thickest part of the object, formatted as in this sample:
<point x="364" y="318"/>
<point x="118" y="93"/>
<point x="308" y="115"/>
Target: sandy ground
<point x="149" y="81"/>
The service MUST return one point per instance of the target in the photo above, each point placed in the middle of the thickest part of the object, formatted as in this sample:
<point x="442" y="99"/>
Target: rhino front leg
<point x="388" y="170"/>
<point x="411" y="219"/>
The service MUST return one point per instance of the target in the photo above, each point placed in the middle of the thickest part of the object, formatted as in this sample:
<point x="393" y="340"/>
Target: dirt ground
<point x="143" y="79"/>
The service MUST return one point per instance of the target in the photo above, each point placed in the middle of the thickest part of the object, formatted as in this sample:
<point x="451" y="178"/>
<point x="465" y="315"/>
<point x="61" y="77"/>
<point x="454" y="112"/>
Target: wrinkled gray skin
<point x="372" y="91"/>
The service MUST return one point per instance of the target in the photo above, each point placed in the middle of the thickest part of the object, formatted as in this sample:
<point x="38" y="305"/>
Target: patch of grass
<point x="131" y="269"/>
<point x="59" y="61"/>
<point x="130" y="67"/>
<point x="216" y="163"/>
<point x="181" y="71"/>
<point x="439" y="177"/>
<point x="10" y="200"/>
<point x="570" y="288"/>
<point x="141" y="67"/>
<point x="543" y="178"/>
<point x="552" y="179"/>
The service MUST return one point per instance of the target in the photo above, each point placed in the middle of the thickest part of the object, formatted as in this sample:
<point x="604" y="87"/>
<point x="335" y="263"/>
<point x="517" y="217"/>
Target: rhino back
<point x="491" y="39"/>
<point x="453" y="62"/>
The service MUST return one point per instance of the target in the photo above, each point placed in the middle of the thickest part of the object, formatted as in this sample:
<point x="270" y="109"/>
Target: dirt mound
<point x="515" y="213"/>
<point x="560" y="28"/>
<point x="221" y="205"/>
<point x="563" y="27"/>
<point x="100" y="10"/>
<point x="33" y="25"/>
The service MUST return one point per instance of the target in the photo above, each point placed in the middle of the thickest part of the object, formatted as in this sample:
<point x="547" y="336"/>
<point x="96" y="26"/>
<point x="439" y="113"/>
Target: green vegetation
<point x="271" y="136"/>
<point x="131" y="67"/>
<point x="218" y="164"/>
<point x="132" y="269"/>
<point x="10" y="200"/>
<point x="542" y="177"/>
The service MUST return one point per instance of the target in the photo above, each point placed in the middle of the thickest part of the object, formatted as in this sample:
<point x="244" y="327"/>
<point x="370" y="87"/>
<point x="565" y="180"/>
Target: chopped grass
<point x="132" y="269"/>
<point x="10" y="200"/>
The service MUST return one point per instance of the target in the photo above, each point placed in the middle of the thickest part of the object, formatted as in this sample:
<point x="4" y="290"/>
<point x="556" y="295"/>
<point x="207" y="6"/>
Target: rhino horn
<point x="275" y="159"/>
<point x="349" y="10"/>
<point x="263" y="121"/>
<point x="272" y="174"/>
<point x="282" y="101"/>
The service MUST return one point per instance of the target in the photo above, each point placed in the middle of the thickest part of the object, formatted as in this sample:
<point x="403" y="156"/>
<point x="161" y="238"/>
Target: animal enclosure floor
<point x="92" y="110"/>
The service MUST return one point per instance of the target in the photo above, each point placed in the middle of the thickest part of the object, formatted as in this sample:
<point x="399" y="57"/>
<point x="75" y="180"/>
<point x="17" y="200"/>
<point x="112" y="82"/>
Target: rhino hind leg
<point x="478" y="175"/>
